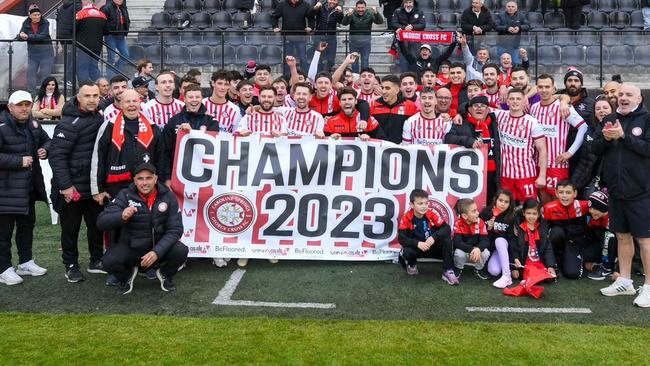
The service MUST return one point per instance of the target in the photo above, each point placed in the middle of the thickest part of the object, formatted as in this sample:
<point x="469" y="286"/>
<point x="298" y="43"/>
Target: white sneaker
<point x="643" y="300"/>
<point x="618" y="288"/>
<point x="242" y="262"/>
<point x="9" y="277"/>
<point x="219" y="262"/>
<point x="274" y="261"/>
<point x="503" y="282"/>
<point x="30" y="269"/>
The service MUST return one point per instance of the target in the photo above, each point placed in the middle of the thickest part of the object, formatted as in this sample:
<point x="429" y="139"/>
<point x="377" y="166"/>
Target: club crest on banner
<point x="230" y="213"/>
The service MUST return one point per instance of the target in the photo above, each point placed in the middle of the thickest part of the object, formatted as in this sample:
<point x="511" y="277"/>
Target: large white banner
<point x="303" y="198"/>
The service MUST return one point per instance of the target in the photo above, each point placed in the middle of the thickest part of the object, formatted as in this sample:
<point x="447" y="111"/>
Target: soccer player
<point x="160" y="109"/>
<point x="262" y="78"/>
<point x="246" y="97"/>
<point x="264" y="121"/>
<point x="324" y="101"/>
<point x="348" y="122"/>
<point x="282" y="87"/>
<point x="491" y="72"/>
<point x="521" y="135"/>
<point x="302" y="121"/>
<point x="217" y="105"/>
<point x="425" y="127"/>
<point x="521" y="80"/>
<point x="556" y="130"/>
<point x="408" y="86"/>
<point x="392" y="109"/>
<point x="366" y="90"/>
<point x="118" y="85"/>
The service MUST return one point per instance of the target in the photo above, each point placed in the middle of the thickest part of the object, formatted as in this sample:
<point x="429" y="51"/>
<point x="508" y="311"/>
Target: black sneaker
<point x="458" y="272"/>
<point x="73" y="274"/>
<point x="598" y="273"/>
<point x="482" y="273"/>
<point x="126" y="287"/>
<point x="166" y="283"/>
<point x="111" y="280"/>
<point x="96" y="267"/>
<point x="151" y="274"/>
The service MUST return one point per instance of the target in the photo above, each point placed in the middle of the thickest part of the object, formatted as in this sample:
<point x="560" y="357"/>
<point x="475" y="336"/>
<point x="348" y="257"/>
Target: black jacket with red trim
<point x="113" y="167"/>
<point x="469" y="236"/>
<point x="113" y="23"/>
<point x="91" y="27"/>
<point x="439" y="229"/>
<point x="157" y="229"/>
<point x="573" y="218"/>
<point x="391" y="117"/>
<point x="544" y="246"/>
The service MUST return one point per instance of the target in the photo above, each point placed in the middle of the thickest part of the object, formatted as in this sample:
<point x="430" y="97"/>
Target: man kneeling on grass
<point x="148" y="214"/>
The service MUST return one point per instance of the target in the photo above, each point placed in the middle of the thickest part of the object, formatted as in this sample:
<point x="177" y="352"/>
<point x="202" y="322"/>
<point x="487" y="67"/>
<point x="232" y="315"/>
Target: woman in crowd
<point x="49" y="102"/>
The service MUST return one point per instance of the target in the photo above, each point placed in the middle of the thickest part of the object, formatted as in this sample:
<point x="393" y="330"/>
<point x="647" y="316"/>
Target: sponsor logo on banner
<point x="230" y="213"/>
<point x="261" y="197"/>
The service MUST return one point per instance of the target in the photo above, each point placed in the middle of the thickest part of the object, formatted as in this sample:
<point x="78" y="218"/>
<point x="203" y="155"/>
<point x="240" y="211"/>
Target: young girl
<point x="533" y="248"/>
<point x="500" y="220"/>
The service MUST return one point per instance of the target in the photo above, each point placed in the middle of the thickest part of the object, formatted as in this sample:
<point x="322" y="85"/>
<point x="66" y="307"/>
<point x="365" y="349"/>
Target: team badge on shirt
<point x="636" y="131"/>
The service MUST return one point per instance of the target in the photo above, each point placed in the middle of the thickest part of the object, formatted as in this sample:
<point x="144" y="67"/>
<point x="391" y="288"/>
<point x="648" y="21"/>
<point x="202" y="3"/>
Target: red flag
<point x="534" y="273"/>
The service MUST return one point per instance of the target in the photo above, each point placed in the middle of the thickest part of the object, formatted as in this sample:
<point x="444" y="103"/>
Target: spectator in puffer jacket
<point x="40" y="53"/>
<point x="328" y="15"/>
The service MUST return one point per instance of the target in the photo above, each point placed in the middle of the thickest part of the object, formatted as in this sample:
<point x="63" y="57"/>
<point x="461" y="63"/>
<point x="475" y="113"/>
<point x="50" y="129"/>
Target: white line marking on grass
<point x="493" y="309"/>
<point x="225" y="295"/>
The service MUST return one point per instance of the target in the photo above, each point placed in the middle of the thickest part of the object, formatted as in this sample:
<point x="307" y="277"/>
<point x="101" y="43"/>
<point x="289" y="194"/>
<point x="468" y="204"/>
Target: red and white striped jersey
<point x="556" y="129"/>
<point x="160" y="113"/>
<point x="370" y="98"/>
<point x="423" y="131"/>
<point x="302" y="123"/>
<point x="110" y="113"/>
<point x="227" y="114"/>
<point x="518" y="135"/>
<point x="263" y="123"/>
<point x="493" y="99"/>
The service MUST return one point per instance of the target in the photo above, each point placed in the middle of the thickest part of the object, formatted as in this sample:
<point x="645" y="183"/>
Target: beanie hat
<point x="598" y="201"/>
<point x="34" y="9"/>
<point x="573" y="71"/>
<point x="479" y="99"/>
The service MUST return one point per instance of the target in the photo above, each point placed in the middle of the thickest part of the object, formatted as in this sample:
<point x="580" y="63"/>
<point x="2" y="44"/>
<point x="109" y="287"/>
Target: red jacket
<point x="346" y="126"/>
<point x="327" y="106"/>
<point x="573" y="218"/>
<point x="467" y="236"/>
<point x="439" y="228"/>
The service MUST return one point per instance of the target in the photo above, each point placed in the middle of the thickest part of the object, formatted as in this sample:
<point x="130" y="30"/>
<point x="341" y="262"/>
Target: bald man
<point x="610" y="90"/>
<point x="624" y="144"/>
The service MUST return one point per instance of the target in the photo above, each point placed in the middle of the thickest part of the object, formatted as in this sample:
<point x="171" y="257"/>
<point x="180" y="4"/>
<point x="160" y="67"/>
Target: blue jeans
<point x="646" y="18"/>
<point x="39" y="66"/>
<point x="364" y="50"/>
<point x="296" y="46"/>
<point x="87" y="68"/>
<point x="514" y="53"/>
<point x="117" y="43"/>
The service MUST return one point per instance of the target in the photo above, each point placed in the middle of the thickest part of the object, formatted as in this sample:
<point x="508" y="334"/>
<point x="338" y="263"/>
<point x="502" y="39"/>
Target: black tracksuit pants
<point x="71" y="215"/>
<point x="120" y="259"/>
<point x="570" y="249"/>
<point x="24" y="225"/>
<point x="441" y="249"/>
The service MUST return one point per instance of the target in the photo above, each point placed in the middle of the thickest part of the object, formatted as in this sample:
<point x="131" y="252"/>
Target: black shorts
<point x="630" y="216"/>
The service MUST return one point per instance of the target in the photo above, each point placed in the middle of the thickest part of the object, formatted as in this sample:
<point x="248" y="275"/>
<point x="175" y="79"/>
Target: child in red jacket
<point x="470" y="239"/>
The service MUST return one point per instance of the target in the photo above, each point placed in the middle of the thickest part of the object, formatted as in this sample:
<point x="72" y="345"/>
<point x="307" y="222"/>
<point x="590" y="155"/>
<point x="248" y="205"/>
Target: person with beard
<point x="425" y="127"/>
<point x="522" y="138"/>
<point x="407" y="18"/>
<point x="392" y="109"/>
<point x="457" y="87"/>
<point x="425" y="61"/>
<point x="246" y="98"/>
<point x="521" y="81"/>
<point x="302" y="121"/>
<point x="349" y="123"/>
<point x="610" y="90"/>
<point x="121" y="146"/>
<point x="624" y="144"/>
<point x="160" y="109"/>
<point x="361" y="21"/>
<point x="475" y="21"/>
<point x="70" y="157"/>
<point x="264" y="120"/>
<point x="408" y="86"/>
<point x="491" y="72"/>
<point x="217" y="105"/>
<point x="556" y="128"/>
<point x="22" y="143"/>
<point x="147" y="213"/>
<point x="586" y="175"/>
<point x="583" y="103"/>
<point x="110" y="107"/>
<point x="193" y="116"/>
<point x="480" y="128"/>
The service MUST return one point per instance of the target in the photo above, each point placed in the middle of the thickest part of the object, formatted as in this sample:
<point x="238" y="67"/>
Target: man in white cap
<point x="427" y="61"/>
<point x="22" y="143"/>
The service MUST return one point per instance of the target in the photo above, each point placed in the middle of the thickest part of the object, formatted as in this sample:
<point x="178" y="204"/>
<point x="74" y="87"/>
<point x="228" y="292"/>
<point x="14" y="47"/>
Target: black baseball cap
<point x="139" y="82"/>
<point x="145" y="166"/>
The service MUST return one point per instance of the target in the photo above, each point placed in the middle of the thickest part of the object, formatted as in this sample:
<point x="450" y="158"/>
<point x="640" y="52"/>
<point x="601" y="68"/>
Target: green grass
<point x="382" y="316"/>
<point x="149" y="340"/>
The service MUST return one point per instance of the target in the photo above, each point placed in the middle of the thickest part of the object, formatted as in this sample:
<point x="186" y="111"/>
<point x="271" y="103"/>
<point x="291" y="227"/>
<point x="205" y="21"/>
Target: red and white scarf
<point x="145" y="131"/>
